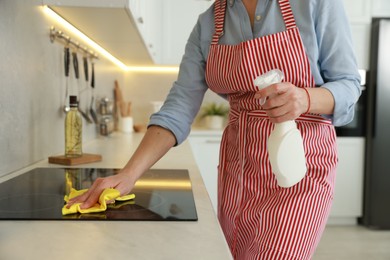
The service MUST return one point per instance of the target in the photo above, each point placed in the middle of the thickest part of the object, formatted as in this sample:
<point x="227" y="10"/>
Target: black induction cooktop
<point x="160" y="195"/>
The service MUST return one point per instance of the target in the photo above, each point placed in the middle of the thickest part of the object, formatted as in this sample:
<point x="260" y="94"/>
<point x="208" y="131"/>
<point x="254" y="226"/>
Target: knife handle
<point x="75" y="65"/>
<point x="66" y="61"/>
<point x="85" y="62"/>
<point x="93" y="75"/>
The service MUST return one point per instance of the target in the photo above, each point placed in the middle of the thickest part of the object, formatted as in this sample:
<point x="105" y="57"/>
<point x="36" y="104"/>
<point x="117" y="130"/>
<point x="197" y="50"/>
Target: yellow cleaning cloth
<point x="107" y="195"/>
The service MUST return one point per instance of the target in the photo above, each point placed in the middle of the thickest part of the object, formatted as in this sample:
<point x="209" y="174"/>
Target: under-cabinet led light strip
<point x="152" y="69"/>
<point x="102" y="51"/>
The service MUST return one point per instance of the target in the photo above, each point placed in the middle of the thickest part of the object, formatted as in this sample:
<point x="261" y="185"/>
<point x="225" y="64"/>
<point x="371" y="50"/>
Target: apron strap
<point x="287" y="14"/>
<point x="219" y="20"/>
<point x="220" y="11"/>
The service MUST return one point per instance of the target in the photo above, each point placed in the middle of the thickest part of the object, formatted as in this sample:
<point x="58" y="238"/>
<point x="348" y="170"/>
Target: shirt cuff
<point x="344" y="108"/>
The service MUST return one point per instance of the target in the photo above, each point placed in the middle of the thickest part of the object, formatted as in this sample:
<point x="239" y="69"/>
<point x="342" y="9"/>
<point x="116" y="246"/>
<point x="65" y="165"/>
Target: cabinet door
<point x="381" y="8"/>
<point x="348" y="197"/>
<point x="179" y="19"/>
<point x="166" y="25"/>
<point x="358" y="11"/>
<point x="206" y="153"/>
<point x="361" y="39"/>
<point x="147" y="17"/>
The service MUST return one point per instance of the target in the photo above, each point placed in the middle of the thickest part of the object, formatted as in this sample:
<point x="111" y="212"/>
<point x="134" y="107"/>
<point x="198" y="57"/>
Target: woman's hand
<point x="122" y="182"/>
<point x="156" y="142"/>
<point x="284" y="101"/>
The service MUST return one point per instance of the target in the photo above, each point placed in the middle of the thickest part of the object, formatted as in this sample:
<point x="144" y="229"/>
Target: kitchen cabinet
<point x="358" y="11"/>
<point x="87" y="3"/>
<point x="143" y="33"/>
<point x="137" y="32"/>
<point x="348" y="197"/>
<point x="205" y="147"/>
<point x="147" y="17"/>
<point x="110" y="24"/>
<point x="361" y="33"/>
<point x="166" y="25"/>
<point x="359" y="16"/>
<point x="380" y="8"/>
<point x="178" y="22"/>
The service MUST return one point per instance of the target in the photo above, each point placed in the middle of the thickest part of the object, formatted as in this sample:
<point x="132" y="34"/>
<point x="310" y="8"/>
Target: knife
<point x="66" y="108"/>
<point x="77" y="75"/>
<point x="91" y="111"/>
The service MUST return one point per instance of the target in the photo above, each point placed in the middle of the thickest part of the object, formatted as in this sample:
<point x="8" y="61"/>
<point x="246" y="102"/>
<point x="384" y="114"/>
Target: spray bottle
<point x="285" y="144"/>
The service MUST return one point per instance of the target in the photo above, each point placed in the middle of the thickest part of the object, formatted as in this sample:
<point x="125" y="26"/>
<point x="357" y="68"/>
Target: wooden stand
<point x="85" y="158"/>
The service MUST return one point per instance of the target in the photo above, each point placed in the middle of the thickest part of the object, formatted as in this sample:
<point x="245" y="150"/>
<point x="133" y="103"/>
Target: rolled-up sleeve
<point x="337" y="61"/>
<point x="186" y="95"/>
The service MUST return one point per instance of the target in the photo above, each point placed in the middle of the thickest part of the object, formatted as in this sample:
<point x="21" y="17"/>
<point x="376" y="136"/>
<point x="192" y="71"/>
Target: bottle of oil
<point x="73" y="130"/>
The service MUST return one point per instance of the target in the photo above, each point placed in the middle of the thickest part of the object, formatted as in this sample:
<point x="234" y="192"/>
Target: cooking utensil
<point x="66" y="107"/>
<point x="123" y="106"/>
<point x="118" y="99"/>
<point x="91" y="110"/>
<point x="86" y="75"/>
<point x="77" y="75"/>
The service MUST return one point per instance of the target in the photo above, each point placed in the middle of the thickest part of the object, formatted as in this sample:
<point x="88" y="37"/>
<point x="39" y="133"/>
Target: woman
<point x="233" y="43"/>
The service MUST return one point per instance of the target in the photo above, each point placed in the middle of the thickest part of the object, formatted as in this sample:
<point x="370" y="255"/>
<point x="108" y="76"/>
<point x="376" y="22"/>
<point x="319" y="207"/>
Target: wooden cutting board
<point x="85" y="158"/>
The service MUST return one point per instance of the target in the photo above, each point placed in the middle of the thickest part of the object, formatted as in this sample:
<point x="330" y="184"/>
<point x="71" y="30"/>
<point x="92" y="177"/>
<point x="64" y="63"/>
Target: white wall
<point x="32" y="86"/>
<point x="141" y="88"/>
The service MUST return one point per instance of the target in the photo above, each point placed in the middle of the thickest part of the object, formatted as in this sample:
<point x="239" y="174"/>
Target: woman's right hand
<point x="156" y="142"/>
<point x="122" y="182"/>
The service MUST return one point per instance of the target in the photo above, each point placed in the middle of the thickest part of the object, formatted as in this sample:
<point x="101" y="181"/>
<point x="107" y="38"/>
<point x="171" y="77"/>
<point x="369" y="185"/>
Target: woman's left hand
<point x="284" y="101"/>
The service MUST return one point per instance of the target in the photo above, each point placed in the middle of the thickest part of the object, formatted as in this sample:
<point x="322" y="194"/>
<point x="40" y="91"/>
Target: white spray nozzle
<point x="266" y="79"/>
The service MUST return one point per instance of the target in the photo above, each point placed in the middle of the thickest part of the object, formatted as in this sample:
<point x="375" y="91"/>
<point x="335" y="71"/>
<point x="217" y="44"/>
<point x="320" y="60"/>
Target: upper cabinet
<point x="381" y="8"/>
<point x="179" y="19"/>
<point x="166" y="25"/>
<point x="108" y="23"/>
<point x="358" y="11"/>
<point x="360" y="14"/>
<point x="147" y="15"/>
<point x="137" y="32"/>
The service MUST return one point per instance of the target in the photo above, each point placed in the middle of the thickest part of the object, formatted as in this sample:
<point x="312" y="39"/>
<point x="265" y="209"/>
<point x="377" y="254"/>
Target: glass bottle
<point x="73" y="130"/>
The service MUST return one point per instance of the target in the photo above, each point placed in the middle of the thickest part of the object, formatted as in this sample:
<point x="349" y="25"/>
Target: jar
<point x="106" y="125"/>
<point x="105" y="106"/>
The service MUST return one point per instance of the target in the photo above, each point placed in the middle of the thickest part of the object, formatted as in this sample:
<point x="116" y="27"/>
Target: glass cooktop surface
<point x="160" y="195"/>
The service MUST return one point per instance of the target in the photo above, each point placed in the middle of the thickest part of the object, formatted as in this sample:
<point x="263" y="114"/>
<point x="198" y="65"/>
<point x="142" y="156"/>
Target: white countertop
<point x="202" y="239"/>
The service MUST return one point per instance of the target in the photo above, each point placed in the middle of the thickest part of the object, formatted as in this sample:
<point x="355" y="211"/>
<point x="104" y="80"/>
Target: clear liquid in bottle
<point x="73" y="130"/>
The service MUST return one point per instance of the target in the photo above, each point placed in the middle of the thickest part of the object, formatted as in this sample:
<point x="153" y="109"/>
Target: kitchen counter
<point x="202" y="239"/>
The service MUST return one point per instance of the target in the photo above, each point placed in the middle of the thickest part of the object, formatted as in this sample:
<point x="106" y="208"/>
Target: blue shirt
<point x="326" y="36"/>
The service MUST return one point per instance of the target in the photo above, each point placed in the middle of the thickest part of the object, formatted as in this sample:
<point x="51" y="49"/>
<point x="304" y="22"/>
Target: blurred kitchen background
<point x="147" y="37"/>
<point x="147" y="40"/>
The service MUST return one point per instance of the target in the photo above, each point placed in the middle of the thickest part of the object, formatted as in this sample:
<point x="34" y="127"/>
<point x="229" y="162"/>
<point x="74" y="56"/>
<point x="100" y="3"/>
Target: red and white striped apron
<point x="260" y="219"/>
